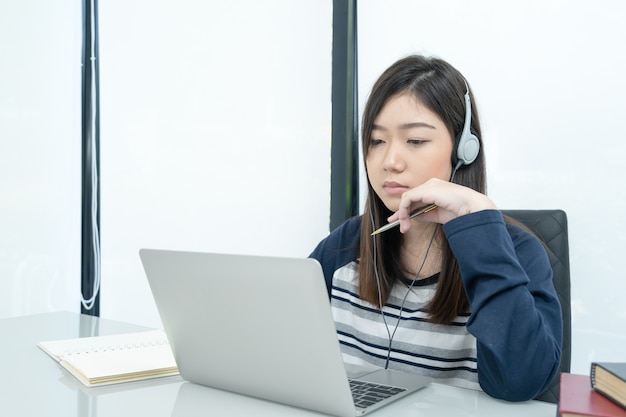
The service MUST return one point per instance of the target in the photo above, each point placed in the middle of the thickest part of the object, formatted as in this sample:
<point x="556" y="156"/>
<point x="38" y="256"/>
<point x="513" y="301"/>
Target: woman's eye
<point x="416" y="141"/>
<point x="375" y="142"/>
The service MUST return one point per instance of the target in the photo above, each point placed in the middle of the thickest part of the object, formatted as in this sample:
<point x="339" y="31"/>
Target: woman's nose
<point x="394" y="160"/>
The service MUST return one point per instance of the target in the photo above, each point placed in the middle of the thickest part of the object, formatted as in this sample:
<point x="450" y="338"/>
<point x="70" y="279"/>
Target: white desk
<point x="32" y="384"/>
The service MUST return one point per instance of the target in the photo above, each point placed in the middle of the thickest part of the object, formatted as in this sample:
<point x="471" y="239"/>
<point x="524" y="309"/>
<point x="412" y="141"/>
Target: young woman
<point x="456" y="293"/>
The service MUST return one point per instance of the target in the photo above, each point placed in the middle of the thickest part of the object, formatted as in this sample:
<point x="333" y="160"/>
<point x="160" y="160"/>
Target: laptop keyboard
<point x="366" y="394"/>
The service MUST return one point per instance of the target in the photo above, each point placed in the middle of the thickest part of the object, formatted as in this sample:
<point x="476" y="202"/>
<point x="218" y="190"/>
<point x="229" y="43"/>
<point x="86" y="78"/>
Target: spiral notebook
<point x="103" y="360"/>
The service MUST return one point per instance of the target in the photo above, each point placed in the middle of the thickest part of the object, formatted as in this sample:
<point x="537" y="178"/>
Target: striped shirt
<point x="444" y="352"/>
<point x="516" y="328"/>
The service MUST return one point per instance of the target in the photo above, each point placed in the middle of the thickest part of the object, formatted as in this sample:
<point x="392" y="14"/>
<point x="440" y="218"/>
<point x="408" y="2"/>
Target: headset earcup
<point x="467" y="143"/>
<point x="468" y="149"/>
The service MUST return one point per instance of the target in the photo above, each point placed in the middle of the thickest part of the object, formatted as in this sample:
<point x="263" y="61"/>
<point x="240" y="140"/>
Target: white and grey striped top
<point x="444" y="352"/>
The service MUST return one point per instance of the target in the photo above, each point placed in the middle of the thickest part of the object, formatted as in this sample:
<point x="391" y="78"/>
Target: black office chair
<point x="551" y="227"/>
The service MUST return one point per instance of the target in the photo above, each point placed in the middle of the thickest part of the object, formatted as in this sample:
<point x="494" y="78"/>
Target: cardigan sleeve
<point x="339" y="248"/>
<point x="515" y="312"/>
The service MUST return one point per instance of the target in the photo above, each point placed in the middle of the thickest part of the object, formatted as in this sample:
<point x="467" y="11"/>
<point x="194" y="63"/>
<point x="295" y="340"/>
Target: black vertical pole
<point x="90" y="132"/>
<point x="344" y="189"/>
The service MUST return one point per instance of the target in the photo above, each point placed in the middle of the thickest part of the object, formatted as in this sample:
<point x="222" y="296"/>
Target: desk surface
<point x="35" y="385"/>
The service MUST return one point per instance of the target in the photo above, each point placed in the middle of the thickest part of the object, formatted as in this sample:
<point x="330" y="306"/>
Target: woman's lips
<point x="394" y="188"/>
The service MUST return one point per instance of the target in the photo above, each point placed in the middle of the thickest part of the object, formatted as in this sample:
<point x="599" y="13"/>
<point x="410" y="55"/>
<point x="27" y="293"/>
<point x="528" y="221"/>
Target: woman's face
<point x="409" y="145"/>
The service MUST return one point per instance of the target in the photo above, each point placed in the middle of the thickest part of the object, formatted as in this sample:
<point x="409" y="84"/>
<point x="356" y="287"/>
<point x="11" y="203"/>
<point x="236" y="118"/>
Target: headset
<point x="467" y="143"/>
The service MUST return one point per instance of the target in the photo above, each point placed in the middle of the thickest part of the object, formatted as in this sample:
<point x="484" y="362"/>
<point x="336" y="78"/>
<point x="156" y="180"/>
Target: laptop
<point x="262" y="326"/>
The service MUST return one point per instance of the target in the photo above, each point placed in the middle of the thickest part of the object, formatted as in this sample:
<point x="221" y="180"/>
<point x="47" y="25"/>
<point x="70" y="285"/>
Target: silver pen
<point x="397" y="222"/>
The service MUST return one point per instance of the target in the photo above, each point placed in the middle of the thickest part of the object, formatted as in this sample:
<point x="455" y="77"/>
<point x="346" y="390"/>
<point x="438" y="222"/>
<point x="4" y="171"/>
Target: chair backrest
<point x="551" y="227"/>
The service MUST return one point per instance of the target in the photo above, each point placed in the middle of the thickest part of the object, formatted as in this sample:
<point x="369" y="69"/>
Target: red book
<point x="578" y="399"/>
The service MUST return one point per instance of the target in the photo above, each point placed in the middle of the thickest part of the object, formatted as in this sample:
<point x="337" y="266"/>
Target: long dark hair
<point x="441" y="88"/>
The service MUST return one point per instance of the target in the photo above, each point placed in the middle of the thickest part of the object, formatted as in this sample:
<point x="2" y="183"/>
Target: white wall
<point x="39" y="156"/>
<point x="548" y="76"/>
<point x="215" y="134"/>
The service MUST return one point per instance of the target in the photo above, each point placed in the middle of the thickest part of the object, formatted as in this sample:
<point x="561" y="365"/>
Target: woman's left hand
<point x="452" y="200"/>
